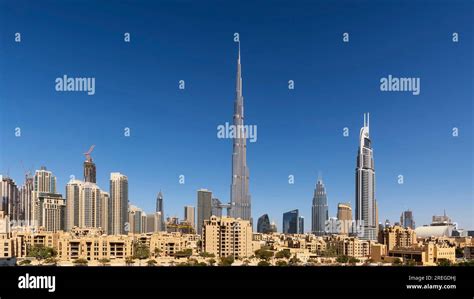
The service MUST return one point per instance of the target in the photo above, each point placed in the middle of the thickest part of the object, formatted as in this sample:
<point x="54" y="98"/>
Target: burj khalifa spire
<point x="239" y="189"/>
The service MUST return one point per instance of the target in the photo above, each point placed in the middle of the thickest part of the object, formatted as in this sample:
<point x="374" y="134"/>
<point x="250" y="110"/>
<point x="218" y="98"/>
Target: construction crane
<point x="88" y="153"/>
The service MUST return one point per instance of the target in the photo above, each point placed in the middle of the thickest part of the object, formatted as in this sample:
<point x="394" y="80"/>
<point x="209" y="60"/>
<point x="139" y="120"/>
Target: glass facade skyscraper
<point x="319" y="212"/>
<point x="366" y="206"/>
<point x="290" y="222"/>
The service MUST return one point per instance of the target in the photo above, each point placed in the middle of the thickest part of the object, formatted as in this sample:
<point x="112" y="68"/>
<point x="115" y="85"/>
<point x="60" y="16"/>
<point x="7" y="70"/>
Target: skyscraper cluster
<point x="38" y="203"/>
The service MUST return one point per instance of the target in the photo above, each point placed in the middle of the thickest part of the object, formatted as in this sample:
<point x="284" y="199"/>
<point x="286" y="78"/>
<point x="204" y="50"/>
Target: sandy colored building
<point x="227" y="236"/>
<point x="397" y="236"/>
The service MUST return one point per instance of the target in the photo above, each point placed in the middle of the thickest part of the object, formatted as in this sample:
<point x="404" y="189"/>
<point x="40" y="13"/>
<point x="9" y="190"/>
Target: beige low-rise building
<point x="350" y="246"/>
<point x="428" y="254"/>
<point x="227" y="236"/>
<point x="397" y="236"/>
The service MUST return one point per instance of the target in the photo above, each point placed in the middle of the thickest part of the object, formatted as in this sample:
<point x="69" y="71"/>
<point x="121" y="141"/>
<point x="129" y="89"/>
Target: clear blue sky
<point x="173" y="132"/>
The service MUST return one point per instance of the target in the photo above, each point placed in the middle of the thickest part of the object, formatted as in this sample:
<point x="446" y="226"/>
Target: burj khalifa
<point x="240" y="205"/>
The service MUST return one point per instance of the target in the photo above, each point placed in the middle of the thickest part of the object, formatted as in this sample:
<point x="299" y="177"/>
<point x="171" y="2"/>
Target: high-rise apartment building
<point x="9" y="198"/>
<point x="300" y="225"/>
<point x="26" y="200"/>
<point x="204" y="207"/>
<point x="118" y="203"/>
<point x="227" y="237"/>
<point x="189" y="215"/>
<point x="136" y="220"/>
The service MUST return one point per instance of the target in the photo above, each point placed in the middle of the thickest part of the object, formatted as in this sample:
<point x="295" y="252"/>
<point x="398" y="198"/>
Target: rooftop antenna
<point x="368" y="121"/>
<point x="239" y="49"/>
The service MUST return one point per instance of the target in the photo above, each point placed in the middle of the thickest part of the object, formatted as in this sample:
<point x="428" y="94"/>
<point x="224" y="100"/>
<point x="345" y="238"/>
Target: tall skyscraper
<point x="300" y="225"/>
<point x="44" y="181"/>
<point x="239" y="190"/>
<point x="319" y="212"/>
<point x="290" y="222"/>
<point x="89" y="167"/>
<point x="73" y="197"/>
<point x="161" y="211"/>
<point x="189" y="215"/>
<point x="153" y="222"/>
<point x="85" y="206"/>
<point x="159" y="202"/>
<point x="104" y="212"/>
<point x="263" y="224"/>
<point x="406" y="219"/>
<point x="204" y="204"/>
<point x="366" y="208"/>
<point x="26" y="199"/>
<point x="118" y="203"/>
<point x="51" y="211"/>
<point x="136" y="220"/>
<point x="47" y="205"/>
<point x="9" y="198"/>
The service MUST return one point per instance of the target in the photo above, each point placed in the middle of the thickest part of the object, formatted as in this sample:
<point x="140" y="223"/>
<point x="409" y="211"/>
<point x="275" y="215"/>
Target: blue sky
<point x="173" y="131"/>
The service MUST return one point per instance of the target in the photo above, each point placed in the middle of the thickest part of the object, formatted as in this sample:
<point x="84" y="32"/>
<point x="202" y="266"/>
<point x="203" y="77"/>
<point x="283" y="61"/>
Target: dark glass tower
<point x="263" y="224"/>
<point x="290" y="222"/>
<point x="319" y="211"/>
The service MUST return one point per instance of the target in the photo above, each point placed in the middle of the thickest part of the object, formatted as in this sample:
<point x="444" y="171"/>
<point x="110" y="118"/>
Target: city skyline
<point x="153" y="165"/>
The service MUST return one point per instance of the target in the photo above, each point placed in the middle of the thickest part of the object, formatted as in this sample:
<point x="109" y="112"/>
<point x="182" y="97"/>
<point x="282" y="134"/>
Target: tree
<point x="140" y="251"/>
<point x="24" y="262"/>
<point x="226" y="261"/>
<point x="264" y="254"/>
<point x="207" y="254"/>
<point x="263" y="263"/>
<point x="281" y="263"/>
<point x="104" y="261"/>
<point x="212" y="262"/>
<point x="184" y="253"/>
<point x="129" y="261"/>
<point x="397" y="262"/>
<point x="342" y="259"/>
<point x="469" y="263"/>
<point x="444" y="263"/>
<point x="329" y="252"/>
<point x="283" y="254"/>
<point x="41" y="252"/>
<point x="151" y="263"/>
<point x="51" y="261"/>
<point x="312" y="262"/>
<point x="80" y="262"/>
<point x="410" y="263"/>
<point x="294" y="261"/>
<point x="352" y="260"/>
<point x="246" y="262"/>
